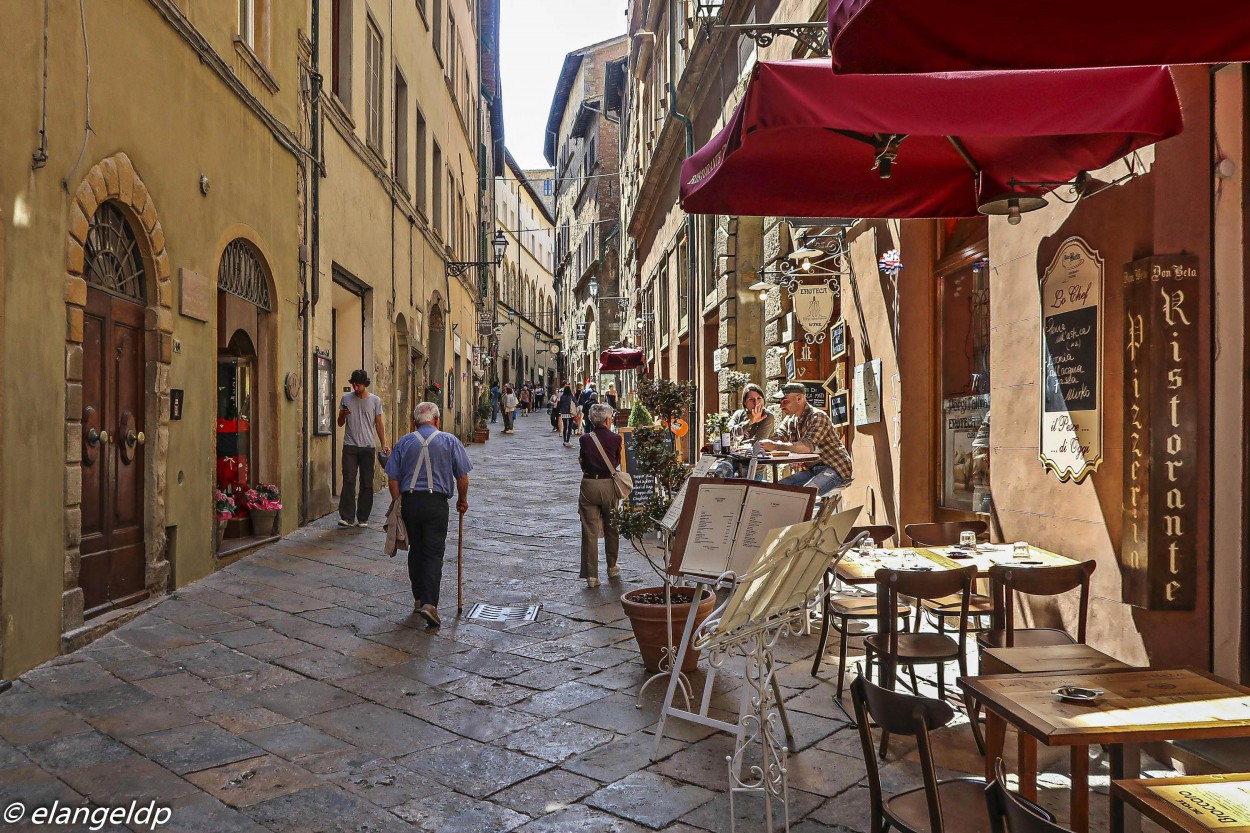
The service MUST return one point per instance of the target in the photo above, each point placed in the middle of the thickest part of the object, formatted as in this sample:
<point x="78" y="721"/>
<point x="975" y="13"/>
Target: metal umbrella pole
<point x="460" y="566"/>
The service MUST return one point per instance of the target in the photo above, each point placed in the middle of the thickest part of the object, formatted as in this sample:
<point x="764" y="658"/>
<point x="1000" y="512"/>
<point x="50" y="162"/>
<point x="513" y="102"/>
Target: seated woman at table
<point x="749" y="424"/>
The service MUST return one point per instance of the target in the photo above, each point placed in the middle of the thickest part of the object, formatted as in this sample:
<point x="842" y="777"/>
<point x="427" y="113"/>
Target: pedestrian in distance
<point x="360" y="412"/>
<point x="524" y="397"/>
<point x="589" y="398"/>
<point x="600" y="456"/>
<point x="494" y="401"/>
<point x="509" y="405"/>
<point x="421" y="473"/>
<point x="540" y="394"/>
<point x="566" y="408"/>
<point x="610" y="398"/>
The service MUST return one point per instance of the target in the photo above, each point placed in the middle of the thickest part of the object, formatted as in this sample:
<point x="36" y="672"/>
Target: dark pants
<point x="567" y="419"/>
<point x="357" y="465"/>
<point x="425" y="516"/>
<point x="586" y="426"/>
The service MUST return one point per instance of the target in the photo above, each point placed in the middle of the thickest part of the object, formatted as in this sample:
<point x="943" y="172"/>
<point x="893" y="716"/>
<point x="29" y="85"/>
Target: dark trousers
<point x="567" y="419"/>
<point x="357" y="465"/>
<point x="425" y="516"/>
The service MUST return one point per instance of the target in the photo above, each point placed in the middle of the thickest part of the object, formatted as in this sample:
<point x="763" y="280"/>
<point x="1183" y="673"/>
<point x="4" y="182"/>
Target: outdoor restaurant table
<point x="1138" y="707"/>
<point x="1192" y="804"/>
<point x="791" y="459"/>
<point x="1039" y="659"/>
<point x="860" y="567"/>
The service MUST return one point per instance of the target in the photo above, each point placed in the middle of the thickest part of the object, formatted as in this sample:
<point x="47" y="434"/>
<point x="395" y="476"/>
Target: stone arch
<point x="116" y="181"/>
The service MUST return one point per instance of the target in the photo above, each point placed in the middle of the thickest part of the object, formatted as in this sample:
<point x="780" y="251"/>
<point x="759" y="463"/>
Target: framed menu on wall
<point x="324" y="392"/>
<point x="1070" y="438"/>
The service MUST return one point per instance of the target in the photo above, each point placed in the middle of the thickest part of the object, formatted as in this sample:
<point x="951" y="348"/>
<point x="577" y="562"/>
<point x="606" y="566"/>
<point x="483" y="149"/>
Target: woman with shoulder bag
<point x="600" y="459"/>
<point x="567" y="408"/>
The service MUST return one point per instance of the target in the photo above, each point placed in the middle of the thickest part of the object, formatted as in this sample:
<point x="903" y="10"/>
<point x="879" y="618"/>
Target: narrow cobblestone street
<point x="294" y="691"/>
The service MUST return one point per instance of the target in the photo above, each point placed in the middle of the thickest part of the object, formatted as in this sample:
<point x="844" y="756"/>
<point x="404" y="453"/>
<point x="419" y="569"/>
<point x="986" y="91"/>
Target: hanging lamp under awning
<point x="902" y="36"/>
<point x="804" y="141"/>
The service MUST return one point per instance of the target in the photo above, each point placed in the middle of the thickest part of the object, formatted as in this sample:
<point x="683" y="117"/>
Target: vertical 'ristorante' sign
<point x="1070" y="436"/>
<point x="1158" y="553"/>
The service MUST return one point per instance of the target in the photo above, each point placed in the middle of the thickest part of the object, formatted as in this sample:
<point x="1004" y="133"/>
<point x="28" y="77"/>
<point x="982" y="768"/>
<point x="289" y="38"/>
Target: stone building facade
<point x="525" y="312"/>
<point x="582" y="144"/>
<point x="270" y="209"/>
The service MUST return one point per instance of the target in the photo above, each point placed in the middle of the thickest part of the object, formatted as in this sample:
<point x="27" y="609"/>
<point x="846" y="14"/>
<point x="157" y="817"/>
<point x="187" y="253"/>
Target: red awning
<point x="802" y="140"/>
<point x="620" y="358"/>
<point x="891" y="36"/>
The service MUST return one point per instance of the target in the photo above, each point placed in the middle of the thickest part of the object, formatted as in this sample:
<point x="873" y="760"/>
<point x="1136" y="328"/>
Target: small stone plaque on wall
<point x="195" y="295"/>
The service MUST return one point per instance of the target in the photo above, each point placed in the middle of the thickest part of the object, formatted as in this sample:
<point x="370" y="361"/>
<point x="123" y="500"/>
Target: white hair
<point x="600" y="414"/>
<point x="425" y="413"/>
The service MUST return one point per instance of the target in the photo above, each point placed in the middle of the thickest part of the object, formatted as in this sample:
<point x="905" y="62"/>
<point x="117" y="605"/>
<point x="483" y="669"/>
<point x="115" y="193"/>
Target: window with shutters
<point x="373" y="80"/>
<point x="401" y="130"/>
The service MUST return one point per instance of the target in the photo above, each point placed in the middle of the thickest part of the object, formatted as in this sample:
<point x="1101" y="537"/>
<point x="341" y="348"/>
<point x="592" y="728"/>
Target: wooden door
<point x="111" y="574"/>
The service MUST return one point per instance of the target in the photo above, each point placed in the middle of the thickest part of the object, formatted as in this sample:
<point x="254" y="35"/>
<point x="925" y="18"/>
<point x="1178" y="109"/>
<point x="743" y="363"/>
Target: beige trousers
<point x="594" y="505"/>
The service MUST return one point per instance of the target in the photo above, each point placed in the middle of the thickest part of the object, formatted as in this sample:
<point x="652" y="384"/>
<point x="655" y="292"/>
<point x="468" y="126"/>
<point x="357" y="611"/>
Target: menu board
<point x="1216" y="805"/>
<point x="837" y="339"/>
<point x="965" y="466"/>
<point x="817" y="396"/>
<point x="725" y="523"/>
<point x="840" y="408"/>
<point x="1071" y="413"/>
<point x="644" y="484"/>
<point x="702" y="468"/>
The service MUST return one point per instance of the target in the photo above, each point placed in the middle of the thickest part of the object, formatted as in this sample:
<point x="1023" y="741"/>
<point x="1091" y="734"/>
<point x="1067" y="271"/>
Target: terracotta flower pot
<point x="649" y="621"/>
<point x="219" y="532"/>
<point x="481" y="435"/>
<point x="264" y="522"/>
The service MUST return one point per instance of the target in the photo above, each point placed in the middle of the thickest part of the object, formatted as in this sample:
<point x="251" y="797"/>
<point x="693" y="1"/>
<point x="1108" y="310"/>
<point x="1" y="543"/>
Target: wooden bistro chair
<point x="845" y="607"/>
<point x="945" y="534"/>
<point x="1013" y="813"/>
<point x="897" y="647"/>
<point x="1007" y="580"/>
<point x="951" y="806"/>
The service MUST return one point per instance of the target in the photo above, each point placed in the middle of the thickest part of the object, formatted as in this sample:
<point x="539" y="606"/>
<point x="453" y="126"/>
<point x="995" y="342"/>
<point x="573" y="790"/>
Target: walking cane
<point x="460" y="566"/>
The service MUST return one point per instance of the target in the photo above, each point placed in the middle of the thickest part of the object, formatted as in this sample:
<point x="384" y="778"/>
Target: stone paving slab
<point x="294" y="690"/>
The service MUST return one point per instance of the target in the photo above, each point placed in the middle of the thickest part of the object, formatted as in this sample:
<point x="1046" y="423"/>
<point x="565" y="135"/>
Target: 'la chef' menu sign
<point x="1071" y="412"/>
<point x="1159" y="550"/>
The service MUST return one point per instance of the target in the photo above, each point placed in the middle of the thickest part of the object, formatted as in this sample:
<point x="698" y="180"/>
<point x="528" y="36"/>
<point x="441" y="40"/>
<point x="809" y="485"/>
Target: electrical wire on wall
<point x="40" y="156"/>
<point x="86" y="131"/>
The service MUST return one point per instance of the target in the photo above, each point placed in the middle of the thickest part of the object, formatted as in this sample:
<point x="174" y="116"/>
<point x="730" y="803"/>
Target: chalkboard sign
<point x="840" y="408"/>
<point x="644" y="484"/>
<point x="1070" y="429"/>
<point x="837" y="339"/>
<point x="1071" y="344"/>
<point x="817" y="396"/>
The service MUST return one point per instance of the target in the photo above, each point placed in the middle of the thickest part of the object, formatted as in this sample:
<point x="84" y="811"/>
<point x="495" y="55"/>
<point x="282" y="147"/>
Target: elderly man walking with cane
<point x="422" y="469"/>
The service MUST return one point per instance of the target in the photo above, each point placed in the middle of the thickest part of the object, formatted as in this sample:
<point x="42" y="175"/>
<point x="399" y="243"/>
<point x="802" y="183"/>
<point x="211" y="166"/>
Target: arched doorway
<point x="438" y="355"/>
<point x="244" y="375"/>
<point x="112" y="568"/>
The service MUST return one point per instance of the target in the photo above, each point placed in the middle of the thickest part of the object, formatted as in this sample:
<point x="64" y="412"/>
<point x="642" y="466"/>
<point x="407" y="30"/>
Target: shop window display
<point x="965" y="387"/>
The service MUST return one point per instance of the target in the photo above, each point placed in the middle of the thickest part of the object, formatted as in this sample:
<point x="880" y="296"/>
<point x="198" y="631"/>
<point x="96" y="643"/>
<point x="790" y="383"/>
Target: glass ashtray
<point x="1078" y="694"/>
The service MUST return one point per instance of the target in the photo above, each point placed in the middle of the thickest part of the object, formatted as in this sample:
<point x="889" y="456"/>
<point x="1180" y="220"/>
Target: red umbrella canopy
<point x="621" y="358"/>
<point x="807" y="142"/>
<point x="891" y="36"/>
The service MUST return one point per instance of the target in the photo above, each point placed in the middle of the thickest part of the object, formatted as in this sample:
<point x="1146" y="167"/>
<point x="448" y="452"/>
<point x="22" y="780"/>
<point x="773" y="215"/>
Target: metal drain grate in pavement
<point x="502" y="613"/>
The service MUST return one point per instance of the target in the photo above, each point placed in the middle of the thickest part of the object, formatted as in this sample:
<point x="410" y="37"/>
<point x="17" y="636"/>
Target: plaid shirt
<point x="815" y="429"/>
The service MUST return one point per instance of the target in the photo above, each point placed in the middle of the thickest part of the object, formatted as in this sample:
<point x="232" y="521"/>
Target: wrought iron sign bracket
<point x="456" y="268"/>
<point x="813" y="36"/>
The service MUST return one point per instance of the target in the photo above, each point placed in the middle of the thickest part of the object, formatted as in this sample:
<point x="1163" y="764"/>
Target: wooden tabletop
<point x="793" y="458"/>
<point x="1043" y="658"/>
<point x="1138" y="706"/>
<point x="860" y="567"/>
<point x="1193" y="804"/>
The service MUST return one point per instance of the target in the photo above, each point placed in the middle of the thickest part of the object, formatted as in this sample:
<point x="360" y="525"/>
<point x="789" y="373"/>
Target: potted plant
<point x="263" y="504"/>
<point x="224" y="509"/>
<point x="481" y="431"/>
<point x="659" y="463"/>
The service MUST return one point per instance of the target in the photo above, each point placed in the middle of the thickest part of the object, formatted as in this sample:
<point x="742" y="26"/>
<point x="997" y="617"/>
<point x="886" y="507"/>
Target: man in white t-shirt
<point x="361" y="413"/>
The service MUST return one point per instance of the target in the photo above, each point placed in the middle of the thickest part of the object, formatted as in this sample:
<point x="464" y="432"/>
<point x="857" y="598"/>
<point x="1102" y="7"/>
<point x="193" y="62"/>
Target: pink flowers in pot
<point x="224" y="507"/>
<point x="264" y="497"/>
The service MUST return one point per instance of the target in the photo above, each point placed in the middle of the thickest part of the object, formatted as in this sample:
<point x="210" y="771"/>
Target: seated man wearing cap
<point x="806" y="430"/>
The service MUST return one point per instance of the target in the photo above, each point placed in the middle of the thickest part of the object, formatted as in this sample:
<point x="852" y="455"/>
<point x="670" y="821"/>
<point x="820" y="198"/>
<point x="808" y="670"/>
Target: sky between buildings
<point x="535" y="35"/>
